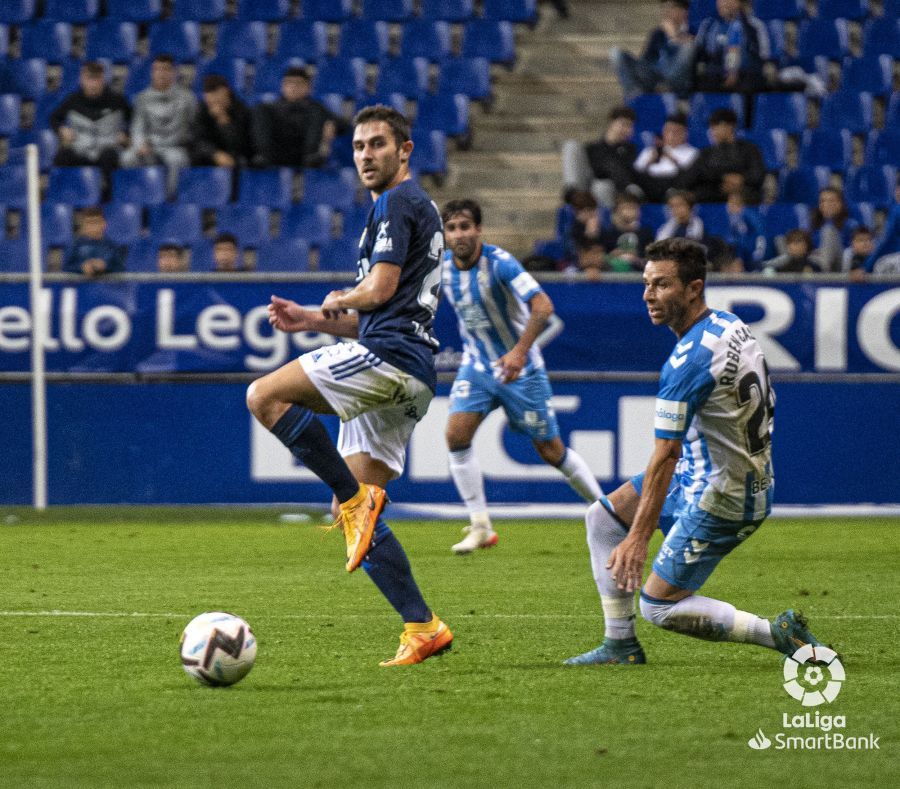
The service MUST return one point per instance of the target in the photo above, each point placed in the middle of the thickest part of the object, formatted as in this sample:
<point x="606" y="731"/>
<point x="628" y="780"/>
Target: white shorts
<point x="378" y="404"/>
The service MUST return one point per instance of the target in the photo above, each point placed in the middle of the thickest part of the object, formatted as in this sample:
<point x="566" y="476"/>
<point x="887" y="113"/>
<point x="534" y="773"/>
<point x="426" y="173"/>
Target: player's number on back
<point x="753" y="390"/>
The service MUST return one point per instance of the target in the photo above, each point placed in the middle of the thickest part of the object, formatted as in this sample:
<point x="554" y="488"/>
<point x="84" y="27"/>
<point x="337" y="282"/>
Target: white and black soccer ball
<point x="218" y="648"/>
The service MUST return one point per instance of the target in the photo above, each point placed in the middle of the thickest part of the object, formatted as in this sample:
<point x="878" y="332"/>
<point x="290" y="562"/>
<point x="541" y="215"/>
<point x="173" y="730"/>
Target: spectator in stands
<point x="667" y="59"/>
<point x="91" y="253"/>
<point x="862" y="244"/>
<point x="162" y="122"/>
<point x="728" y="166"/>
<point x="796" y="259"/>
<point x="832" y="229"/>
<point x="222" y="134"/>
<point x="295" y="130"/>
<point x="745" y="232"/>
<point x="885" y="258"/>
<point x="91" y="123"/>
<point x="606" y="166"/>
<point x="625" y="238"/>
<point x="585" y="234"/>
<point x="227" y="256"/>
<point x="659" y="167"/>
<point x="683" y="222"/>
<point x="171" y="259"/>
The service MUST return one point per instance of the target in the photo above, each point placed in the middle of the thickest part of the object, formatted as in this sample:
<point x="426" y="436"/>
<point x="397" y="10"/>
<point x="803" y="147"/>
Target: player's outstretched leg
<point x="790" y="631"/>
<point x="469" y="480"/>
<point x="620" y="645"/>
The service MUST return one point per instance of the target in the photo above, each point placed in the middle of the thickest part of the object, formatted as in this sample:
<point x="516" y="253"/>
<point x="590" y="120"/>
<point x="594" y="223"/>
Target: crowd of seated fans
<point x="751" y="133"/>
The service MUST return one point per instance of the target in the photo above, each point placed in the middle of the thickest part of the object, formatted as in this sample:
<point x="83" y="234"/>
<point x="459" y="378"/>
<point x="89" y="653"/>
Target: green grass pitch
<point x="92" y="693"/>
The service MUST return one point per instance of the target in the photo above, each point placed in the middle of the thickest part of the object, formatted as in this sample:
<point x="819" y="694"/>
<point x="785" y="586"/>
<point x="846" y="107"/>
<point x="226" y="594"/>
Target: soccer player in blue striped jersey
<point x="709" y="482"/>
<point x="381" y="383"/>
<point x="504" y="316"/>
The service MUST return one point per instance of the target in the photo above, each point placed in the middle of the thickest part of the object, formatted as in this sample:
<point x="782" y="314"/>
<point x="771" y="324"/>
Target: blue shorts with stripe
<point x="526" y="400"/>
<point x="695" y="542"/>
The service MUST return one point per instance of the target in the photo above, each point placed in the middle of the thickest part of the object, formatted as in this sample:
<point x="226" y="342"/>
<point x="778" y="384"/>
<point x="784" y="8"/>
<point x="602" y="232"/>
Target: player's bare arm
<point x="626" y="562"/>
<point x="290" y="317"/>
<point x="513" y="362"/>
<point x="375" y="290"/>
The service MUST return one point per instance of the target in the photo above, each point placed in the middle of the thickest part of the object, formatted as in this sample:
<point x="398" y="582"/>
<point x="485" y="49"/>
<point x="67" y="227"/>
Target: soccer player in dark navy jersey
<point x="381" y="383"/>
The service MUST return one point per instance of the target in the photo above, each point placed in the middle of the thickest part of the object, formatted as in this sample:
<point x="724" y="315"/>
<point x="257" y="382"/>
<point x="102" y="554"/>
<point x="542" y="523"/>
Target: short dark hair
<point x="723" y="115"/>
<point x="94" y="68"/>
<point x="685" y="4"/>
<point x="798" y="234"/>
<point x="687" y="255"/>
<point x="170" y="246"/>
<point x="626" y="197"/>
<point x="861" y="230"/>
<point x="92" y="211"/>
<point x="684" y="194"/>
<point x="463" y="206"/>
<point x="164" y="57"/>
<point x="622" y="111"/>
<point x="213" y="82"/>
<point x="582" y="199"/>
<point x="678" y="117"/>
<point x="225" y="238"/>
<point x="398" y="122"/>
<point x="296" y="71"/>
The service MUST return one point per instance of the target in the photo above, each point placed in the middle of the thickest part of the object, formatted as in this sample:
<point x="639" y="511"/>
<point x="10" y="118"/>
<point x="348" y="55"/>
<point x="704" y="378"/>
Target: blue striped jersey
<point x="491" y="304"/>
<point x="714" y="395"/>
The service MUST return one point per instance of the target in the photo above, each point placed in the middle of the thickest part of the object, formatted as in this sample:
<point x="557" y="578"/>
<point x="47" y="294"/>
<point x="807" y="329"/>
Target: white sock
<point x="604" y="533"/>
<point x="711" y="620"/>
<point x="579" y="476"/>
<point x="470" y="483"/>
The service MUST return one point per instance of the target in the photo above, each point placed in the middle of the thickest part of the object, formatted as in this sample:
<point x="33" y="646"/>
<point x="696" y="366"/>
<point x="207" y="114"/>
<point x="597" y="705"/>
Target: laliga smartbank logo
<point x="813" y="675"/>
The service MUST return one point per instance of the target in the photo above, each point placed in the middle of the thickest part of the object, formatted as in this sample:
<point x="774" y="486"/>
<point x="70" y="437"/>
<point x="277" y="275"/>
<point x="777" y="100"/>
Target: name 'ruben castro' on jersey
<point x="714" y="395"/>
<point x="404" y="228"/>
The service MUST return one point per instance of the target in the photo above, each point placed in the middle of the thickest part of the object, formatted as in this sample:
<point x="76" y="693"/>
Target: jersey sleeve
<point x="393" y="229"/>
<point x="683" y="388"/>
<point x="510" y="272"/>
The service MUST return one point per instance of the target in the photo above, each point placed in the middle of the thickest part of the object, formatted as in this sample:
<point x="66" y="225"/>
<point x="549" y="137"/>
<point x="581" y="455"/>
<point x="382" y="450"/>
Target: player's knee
<point x="551" y="454"/>
<point x="655" y="612"/>
<point x="255" y="399"/>
<point x="457" y="441"/>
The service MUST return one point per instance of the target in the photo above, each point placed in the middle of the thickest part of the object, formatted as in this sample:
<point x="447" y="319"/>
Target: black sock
<point x="388" y="567"/>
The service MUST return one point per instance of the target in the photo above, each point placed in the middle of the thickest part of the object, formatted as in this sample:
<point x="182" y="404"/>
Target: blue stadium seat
<point x="270" y="187"/>
<point x="249" y="224"/>
<point x="447" y="10"/>
<point x="4" y="40"/>
<point x="702" y="104"/>
<point x="803" y="184"/>
<point x="339" y="254"/>
<point x="141" y="185"/>
<point x="429" y="156"/>
<point x="425" y="38"/>
<point x="10" y="105"/>
<point x="111" y="39"/>
<point x="652" y="110"/>
<point x="777" y="41"/>
<point x="175" y="37"/>
<point x="335" y="188"/>
<point x="781" y="218"/>
<point x="822" y="37"/>
<point x="207" y="187"/>
<point x="870" y="184"/>
<point x="176" y="222"/>
<point x="326" y="10"/>
<point x="78" y="12"/>
<point x="283" y="255"/>
<point x="14" y="255"/>
<point x="869" y="74"/>
<point x="202" y="255"/>
<point x="199" y="10"/>
<point x="445" y="112"/>
<point x="49" y="40"/>
<point x="387" y="10"/>
<point x="46" y="141"/>
<point x="233" y="69"/>
<point x="395" y="100"/>
<point x="511" y="10"/>
<point x="123" y="222"/>
<point x="26" y="76"/>
<point x="715" y="219"/>
<point x="341" y="154"/>
<point x="264" y="10"/>
<point x="239" y="39"/>
<point x="142" y="256"/>
<point x="653" y="215"/>
<point x="364" y="38"/>
<point x="826" y="147"/>
<point x="698" y="11"/>
<point x="881" y="36"/>
<point x="469" y="76"/>
<point x="780" y="111"/>
<point x="407" y="76"/>
<point x="353" y="221"/>
<point x="773" y="144"/>
<point x="698" y="133"/>
<point x="43" y="108"/>
<point x="79" y="186"/>
<point x="344" y="76"/>
<point x="777" y="9"/>
<point x="892" y="113"/>
<point x="487" y="38"/>
<point x="842" y="9"/>
<point x="309" y="221"/>
<point x="141" y="11"/>
<point x="302" y="39"/>
<point x="138" y="77"/>
<point x="883" y="147"/>
<point x="56" y="224"/>
<point x="16" y="12"/>
<point x="269" y="72"/>
<point x="847" y="110"/>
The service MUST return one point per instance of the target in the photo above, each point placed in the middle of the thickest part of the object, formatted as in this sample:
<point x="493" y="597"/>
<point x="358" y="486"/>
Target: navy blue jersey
<point x="404" y="228"/>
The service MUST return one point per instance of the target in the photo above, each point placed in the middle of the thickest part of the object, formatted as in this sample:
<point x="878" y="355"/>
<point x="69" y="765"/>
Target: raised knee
<point x="655" y="612"/>
<point x="254" y="399"/>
